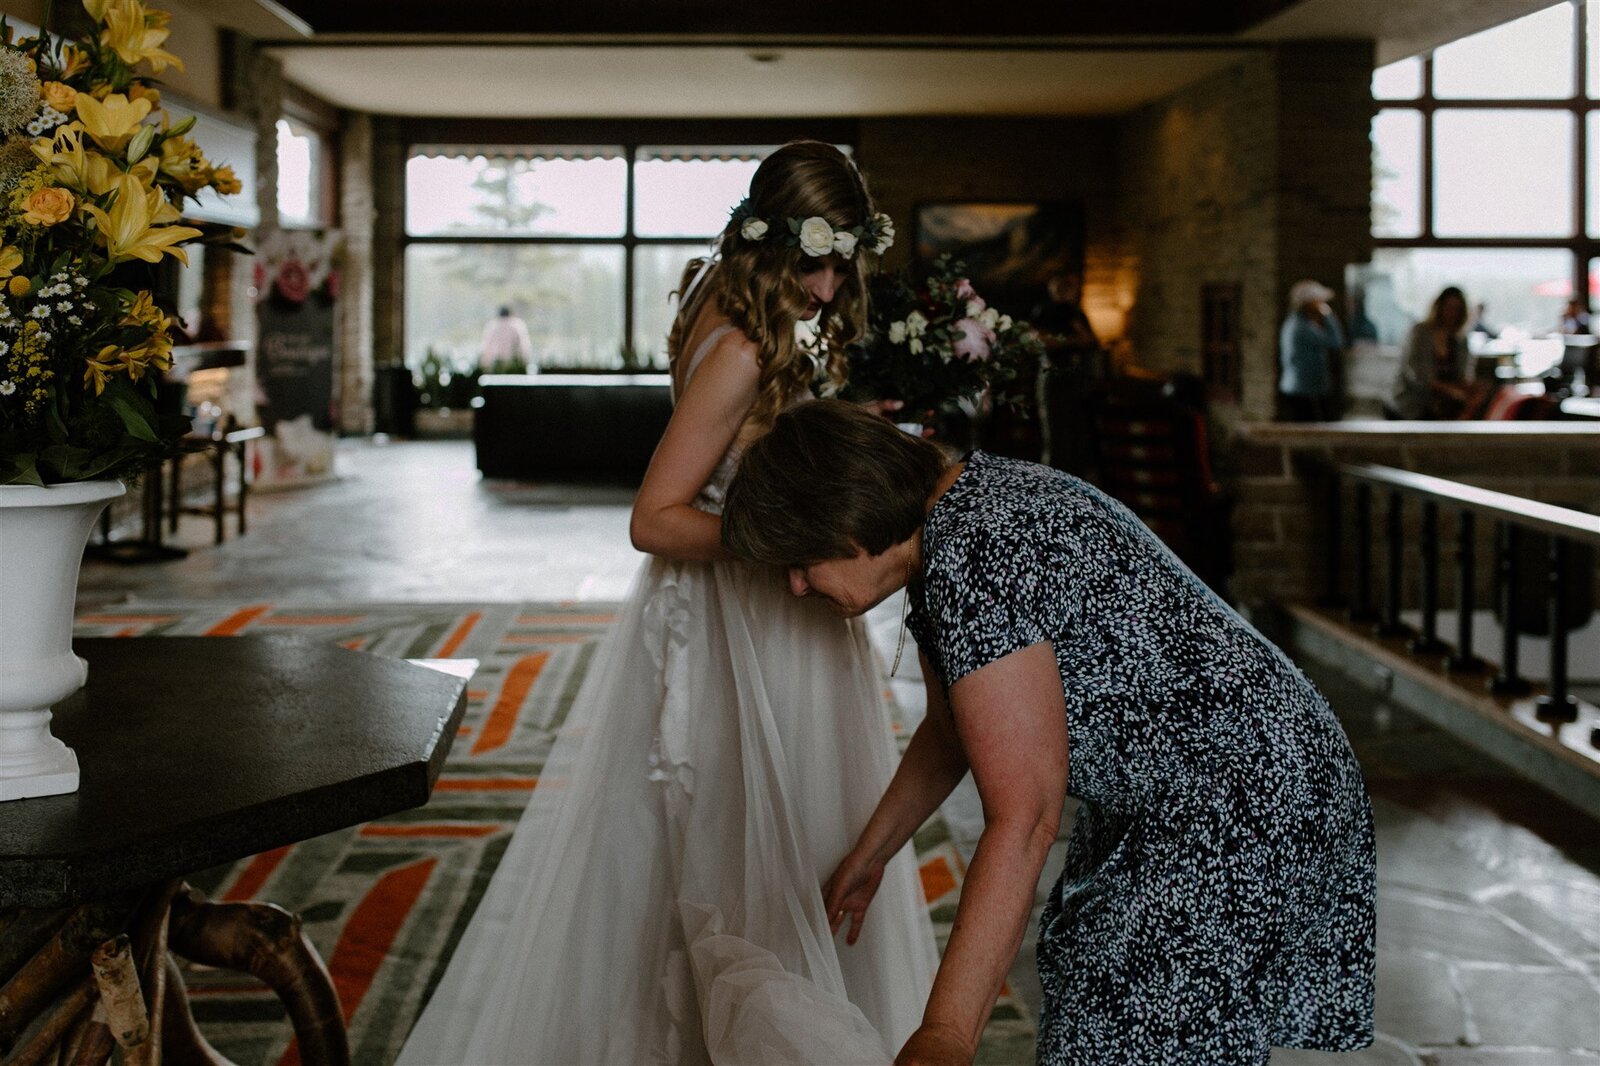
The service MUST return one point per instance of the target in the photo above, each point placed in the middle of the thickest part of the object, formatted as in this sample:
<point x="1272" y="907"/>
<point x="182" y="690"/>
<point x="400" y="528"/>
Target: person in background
<point x="1309" y="342"/>
<point x="1435" y="379"/>
<point x="505" y="340"/>
<point x="1480" y="323"/>
<point x="1575" y="318"/>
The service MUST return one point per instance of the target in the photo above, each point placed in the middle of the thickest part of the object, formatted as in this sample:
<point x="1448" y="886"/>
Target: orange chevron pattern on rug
<point x="386" y="902"/>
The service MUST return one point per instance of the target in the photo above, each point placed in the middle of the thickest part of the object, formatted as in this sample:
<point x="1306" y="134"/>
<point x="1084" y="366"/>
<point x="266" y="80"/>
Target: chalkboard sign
<point x="295" y="359"/>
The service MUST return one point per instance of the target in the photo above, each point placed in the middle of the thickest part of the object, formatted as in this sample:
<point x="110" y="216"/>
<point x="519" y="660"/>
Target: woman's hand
<point x="935" y="1045"/>
<point x="850" y="890"/>
<point x="883" y="407"/>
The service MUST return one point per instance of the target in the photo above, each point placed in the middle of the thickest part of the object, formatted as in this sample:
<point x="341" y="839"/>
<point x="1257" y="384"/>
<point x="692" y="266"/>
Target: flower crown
<point x="815" y="236"/>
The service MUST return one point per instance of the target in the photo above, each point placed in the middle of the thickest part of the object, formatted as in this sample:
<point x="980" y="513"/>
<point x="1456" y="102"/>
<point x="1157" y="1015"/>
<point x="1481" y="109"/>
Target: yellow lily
<point x="99" y="368"/>
<point x="85" y="169"/>
<point x="135" y="227"/>
<point x="10" y="259"/>
<point x="112" y="122"/>
<point x="73" y="60"/>
<point x="182" y="161"/>
<point x="137" y="35"/>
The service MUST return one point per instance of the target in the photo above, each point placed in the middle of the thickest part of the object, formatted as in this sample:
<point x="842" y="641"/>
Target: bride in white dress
<point x="660" y="901"/>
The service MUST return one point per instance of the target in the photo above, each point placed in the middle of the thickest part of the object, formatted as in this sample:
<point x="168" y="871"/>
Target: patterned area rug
<point x="386" y="902"/>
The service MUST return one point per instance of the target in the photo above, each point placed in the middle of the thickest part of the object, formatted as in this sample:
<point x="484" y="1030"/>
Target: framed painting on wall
<point x="1011" y="249"/>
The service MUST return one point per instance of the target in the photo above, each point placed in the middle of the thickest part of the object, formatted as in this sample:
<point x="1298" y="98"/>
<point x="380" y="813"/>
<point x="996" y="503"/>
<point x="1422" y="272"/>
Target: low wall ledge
<point x="1376" y="431"/>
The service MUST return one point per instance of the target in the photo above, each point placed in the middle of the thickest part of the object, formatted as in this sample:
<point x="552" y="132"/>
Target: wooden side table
<point x="218" y="445"/>
<point x="197" y="751"/>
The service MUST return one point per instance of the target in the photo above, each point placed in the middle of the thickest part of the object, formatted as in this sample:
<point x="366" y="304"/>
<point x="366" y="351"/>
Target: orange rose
<point x="59" y="96"/>
<point x="49" y="206"/>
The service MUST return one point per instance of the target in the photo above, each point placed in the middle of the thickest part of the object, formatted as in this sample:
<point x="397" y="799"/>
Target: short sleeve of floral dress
<point x="1218" y="893"/>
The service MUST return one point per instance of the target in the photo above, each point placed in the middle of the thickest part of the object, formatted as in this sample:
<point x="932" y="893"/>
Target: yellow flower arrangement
<point x="93" y="174"/>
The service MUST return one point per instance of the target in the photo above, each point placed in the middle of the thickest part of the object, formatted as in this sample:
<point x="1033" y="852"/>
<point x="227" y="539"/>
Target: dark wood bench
<point x="570" y="427"/>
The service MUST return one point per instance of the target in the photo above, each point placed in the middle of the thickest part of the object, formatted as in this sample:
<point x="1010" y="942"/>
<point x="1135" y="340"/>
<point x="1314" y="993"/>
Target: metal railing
<point x="1514" y="517"/>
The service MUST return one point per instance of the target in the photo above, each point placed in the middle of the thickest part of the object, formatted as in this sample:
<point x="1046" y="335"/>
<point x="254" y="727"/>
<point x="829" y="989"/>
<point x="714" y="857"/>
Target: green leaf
<point x="132" y="408"/>
<point x="20" y="469"/>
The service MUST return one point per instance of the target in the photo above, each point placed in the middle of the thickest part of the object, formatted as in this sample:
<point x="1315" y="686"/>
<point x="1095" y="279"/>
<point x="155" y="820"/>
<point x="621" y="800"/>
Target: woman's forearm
<point x="678" y="532"/>
<point x="996" y="901"/>
<point x="932" y="766"/>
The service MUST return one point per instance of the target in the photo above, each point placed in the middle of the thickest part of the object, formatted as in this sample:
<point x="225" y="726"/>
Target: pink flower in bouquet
<point x="964" y="289"/>
<point x="972" y="340"/>
<point x="293" y="282"/>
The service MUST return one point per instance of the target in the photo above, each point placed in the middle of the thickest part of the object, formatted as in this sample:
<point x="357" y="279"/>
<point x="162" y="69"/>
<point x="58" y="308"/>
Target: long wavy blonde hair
<point x="757" y="284"/>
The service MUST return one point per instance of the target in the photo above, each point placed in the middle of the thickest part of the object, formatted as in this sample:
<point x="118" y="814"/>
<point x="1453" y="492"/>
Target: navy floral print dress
<point x="1218" y="893"/>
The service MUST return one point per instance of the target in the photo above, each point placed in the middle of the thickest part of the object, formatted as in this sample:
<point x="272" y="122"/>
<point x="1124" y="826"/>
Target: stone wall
<point x="1258" y="175"/>
<point x="910" y="161"/>
<point x="1278" y="477"/>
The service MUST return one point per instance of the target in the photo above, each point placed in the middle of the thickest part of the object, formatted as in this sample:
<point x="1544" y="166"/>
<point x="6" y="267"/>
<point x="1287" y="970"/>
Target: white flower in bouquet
<point x="914" y="346"/>
<point x="897" y="332"/>
<point x="1004" y="325"/>
<point x="976" y="307"/>
<point x="916" y="325"/>
<point x="989" y="317"/>
<point x="844" y="243"/>
<point x="753" y="229"/>
<point x="816" y="236"/>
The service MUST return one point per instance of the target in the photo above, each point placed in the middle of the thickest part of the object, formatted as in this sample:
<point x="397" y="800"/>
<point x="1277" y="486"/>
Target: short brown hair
<point x="828" y="479"/>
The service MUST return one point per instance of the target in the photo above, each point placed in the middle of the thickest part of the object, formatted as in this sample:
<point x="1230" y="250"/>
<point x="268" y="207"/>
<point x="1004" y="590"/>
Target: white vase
<point x="42" y="535"/>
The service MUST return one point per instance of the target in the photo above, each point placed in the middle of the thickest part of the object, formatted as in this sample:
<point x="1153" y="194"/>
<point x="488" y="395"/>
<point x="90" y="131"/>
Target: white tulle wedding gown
<point x="660" y="900"/>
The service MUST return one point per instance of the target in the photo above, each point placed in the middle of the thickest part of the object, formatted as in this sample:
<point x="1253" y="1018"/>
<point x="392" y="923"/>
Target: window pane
<point x="657" y="270"/>
<point x="570" y="297"/>
<point x="1522" y="289"/>
<point x="1397" y="173"/>
<point x="1503" y="173"/>
<point x="1528" y="59"/>
<point x="1398" y="81"/>
<point x="525" y="194"/>
<point x="680" y="192"/>
<point x="299" y="174"/>
<point x="1594" y="172"/>
<point x="1592" y="16"/>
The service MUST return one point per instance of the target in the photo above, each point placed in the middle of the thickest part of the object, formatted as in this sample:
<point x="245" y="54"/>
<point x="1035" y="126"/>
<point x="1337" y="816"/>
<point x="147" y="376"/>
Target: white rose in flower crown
<point x="885" y="233"/>
<point x="916" y="324"/>
<point x="897" y="332"/>
<point x="753" y="229"/>
<point x="844" y="243"/>
<point x="816" y="236"/>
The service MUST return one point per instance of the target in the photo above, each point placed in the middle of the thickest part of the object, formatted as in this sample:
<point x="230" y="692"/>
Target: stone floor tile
<point x="1508" y="1056"/>
<point x="1569" y="932"/>
<point x="1418" y="999"/>
<point x="1413" y="922"/>
<point x="1522" y="1008"/>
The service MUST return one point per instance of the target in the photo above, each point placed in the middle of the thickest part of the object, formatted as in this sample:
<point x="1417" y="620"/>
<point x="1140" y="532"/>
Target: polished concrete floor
<point x="1489" y="889"/>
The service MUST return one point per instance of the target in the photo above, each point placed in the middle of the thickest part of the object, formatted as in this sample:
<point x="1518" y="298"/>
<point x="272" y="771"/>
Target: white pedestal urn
<point x="42" y="535"/>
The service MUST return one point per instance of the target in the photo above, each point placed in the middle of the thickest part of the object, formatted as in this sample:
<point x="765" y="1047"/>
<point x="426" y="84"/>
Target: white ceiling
<point x="617" y="77"/>
<point x="605" y="81"/>
<point x="1401" y="27"/>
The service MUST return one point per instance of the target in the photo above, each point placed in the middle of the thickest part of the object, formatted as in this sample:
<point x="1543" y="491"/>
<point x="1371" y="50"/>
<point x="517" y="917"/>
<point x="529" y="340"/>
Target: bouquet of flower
<point x="933" y="342"/>
<point x="92" y="172"/>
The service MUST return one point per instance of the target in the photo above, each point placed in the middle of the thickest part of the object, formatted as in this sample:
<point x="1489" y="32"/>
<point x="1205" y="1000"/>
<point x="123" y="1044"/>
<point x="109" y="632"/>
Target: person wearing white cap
<point x="1309" y="342"/>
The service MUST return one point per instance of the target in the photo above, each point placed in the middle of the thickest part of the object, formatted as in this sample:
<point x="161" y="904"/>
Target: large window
<point x="1485" y="161"/>
<point x="584" y="243"/>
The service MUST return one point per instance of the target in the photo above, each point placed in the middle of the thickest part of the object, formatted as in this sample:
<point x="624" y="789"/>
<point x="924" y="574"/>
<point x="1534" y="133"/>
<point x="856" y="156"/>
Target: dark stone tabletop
<point x="194" y="751"/>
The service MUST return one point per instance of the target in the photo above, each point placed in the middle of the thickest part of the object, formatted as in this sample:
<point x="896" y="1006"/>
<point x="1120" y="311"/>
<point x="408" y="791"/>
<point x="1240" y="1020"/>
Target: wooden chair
<point x="1152" y="454"/>
<point x="218" y="443"/>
